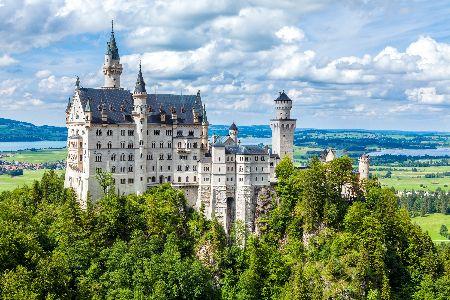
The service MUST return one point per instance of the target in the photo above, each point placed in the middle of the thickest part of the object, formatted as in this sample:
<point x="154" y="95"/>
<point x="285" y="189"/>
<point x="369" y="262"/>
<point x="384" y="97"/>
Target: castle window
<point x="81" y="157"/>
<point x="161" y="168"/>
<point x="109" y="132"/>
<point x="113" y="169"/>
<point x="179" y="144"/>
<point x="187" y="178"/>
<point x="153" y="168"/>
<point x="130" y="145"/>
<point x="130" y="157"/>
<point x="122" y="145"/>
<point x="191" y="133"/>
<point x="161" y="145"/>
<point x="262" y="158"/>
<point x="149" y="157"/>
<point x="195" y="145"/>
<point x="161" y="156"/>
<point x="169" y="179"/>
<point x="256" y="158"/>
<point x="178" y="168"/>
<point x="130" y="132"/>
<point x="130" y="169"/>
<point x="169" y="156"/>
<point x="186" y="168"/>
<point x="130" y="180"/>
<point x="122" y="132"/>
<point x="153" y="179"/>
<point x="194" y="168"/>
<point x="179" y="179"/>
<point x="113" y="157"/>
<point x="169" y="145"/>
<point x="122" y="169"/>
<point x="168" y="132"/>
<point x="156" y="132"/>
<point x="123" y="181"/>
<point x="246" y="158"/>
<point x="168" y="168"/>
<point x="262" y="169"/>
<point x="153" y="144"/>
<point x="98" y="157"/>
<point x="122" y="157"/>
<point x="98" y="132"/>
<point x="179" y="132"/>
<point x="99" y="145"/>
<point x="109" y="145"/>
<point x="141" y="142"/>
<point x="194" y="157"/>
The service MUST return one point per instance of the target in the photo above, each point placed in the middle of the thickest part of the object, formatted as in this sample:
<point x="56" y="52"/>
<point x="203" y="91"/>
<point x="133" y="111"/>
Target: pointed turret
<point x="140" y="84"/>
<point x="112" y="69"/>
<point x="111" y="46"/>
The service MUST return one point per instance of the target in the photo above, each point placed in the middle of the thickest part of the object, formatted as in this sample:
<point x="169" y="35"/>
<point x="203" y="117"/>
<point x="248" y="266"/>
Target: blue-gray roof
<point x="246" y="149"/>
<point x="283" y="96"/>
<point x="119" y="106"/>
<point x="140" y="84"/>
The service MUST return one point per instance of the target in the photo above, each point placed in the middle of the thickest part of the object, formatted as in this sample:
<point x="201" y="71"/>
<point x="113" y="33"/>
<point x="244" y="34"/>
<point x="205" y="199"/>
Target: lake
<point x="16" y="146"/>
<point x="413" y="152"/>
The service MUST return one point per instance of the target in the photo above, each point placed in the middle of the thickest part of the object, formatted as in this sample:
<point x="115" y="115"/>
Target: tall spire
<point x="140" y="84"/>
<point x="111" y="46"/>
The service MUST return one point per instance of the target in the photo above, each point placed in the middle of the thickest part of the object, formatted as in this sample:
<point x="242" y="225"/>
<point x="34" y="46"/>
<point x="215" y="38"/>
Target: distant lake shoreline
<point x="413" y="152"/>
<point x="17" y="146"/>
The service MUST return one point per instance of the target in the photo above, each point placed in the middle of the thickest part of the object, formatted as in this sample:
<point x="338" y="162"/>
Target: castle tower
<point x="283" y="127"/>
<point x="363" y="167"/>
<point x="205" y="125"/>
<point x="140" y="119"/>
<point x="112" y="69"/>
<point x="233" y="132"/>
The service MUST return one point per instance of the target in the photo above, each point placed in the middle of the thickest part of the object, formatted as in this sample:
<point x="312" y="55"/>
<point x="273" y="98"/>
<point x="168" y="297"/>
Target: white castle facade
<point x="146" y="139"/>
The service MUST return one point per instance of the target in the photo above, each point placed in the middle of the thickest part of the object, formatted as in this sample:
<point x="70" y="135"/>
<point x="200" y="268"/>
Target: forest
<point x="313" y="242"/>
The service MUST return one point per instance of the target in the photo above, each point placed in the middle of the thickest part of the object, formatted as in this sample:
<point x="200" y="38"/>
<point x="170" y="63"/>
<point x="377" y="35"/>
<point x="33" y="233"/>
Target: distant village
<point x="15" y="168"/>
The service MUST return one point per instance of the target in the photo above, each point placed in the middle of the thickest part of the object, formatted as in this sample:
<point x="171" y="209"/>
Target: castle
<point x="146" y="139"/>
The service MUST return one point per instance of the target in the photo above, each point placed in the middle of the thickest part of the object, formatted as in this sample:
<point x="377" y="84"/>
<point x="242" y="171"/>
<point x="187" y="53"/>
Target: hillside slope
<point x="16" y="131"/>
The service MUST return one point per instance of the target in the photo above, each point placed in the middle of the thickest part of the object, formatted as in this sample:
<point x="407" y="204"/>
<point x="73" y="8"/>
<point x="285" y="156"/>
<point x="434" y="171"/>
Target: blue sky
<point x="346" y="64"/>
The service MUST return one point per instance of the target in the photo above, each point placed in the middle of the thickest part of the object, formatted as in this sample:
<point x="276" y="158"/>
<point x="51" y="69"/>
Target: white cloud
<point x="6" y="60"/>
<point x="426" y="95"/>
<point x="289" y="34"/>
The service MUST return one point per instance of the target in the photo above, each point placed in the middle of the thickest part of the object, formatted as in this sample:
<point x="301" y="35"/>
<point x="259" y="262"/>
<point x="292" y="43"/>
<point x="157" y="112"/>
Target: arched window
<point x="99" y="145"/>
<point x="98" y="157"/>
<point x="109" y="145"/>
<point x="187" y="178"/>
<point x="122" y="157"/>
<point x="153" y="179"/>
<point x="113" y="169"/>
<point x="179" y="179"/>
<point x="113" y="157"/>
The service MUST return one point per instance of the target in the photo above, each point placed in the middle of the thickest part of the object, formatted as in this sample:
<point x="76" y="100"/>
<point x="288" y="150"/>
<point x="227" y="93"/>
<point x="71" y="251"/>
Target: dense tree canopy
<point x="323" y="236"/>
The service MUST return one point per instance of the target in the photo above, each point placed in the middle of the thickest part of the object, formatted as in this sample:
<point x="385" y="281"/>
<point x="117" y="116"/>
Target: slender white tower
<point x="112" y="69"/>
<point x="363" y="167"/>
<point x="283" y="127"/>
<point x="140" y="119"/>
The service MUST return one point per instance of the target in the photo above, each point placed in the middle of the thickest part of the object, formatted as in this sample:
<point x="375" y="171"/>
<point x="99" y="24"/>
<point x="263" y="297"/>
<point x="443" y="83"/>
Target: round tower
<point x="283" y="127"/>
<point x="363" y="167"/>
<point x="140" y="120"/>
<point x="233" y="132"/>
<point x="112" y="69"/>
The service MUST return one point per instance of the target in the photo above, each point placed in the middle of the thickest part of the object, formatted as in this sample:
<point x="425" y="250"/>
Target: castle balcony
<point x="184" y="150"/>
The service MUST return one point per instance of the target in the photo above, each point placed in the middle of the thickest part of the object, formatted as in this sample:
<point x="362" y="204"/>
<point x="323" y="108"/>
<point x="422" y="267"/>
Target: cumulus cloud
<point x="426" y="95"/>
<point x="6" y="60"/>
<point x="289" y="34"/>
<point x="239" y="53"/>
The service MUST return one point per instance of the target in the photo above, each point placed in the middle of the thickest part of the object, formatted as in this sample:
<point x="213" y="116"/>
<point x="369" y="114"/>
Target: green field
<point x="406" y="179"/>
<point x="38" y="156"/>
<point x="432" y="223"/>
<point x="8" y="183"/>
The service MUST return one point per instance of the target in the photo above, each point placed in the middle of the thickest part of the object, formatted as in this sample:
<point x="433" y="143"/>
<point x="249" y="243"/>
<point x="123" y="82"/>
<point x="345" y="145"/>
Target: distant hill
<point x="16" y="131"/>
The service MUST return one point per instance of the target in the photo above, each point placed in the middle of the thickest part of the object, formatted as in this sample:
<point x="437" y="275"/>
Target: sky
<point x="345" y="64"/>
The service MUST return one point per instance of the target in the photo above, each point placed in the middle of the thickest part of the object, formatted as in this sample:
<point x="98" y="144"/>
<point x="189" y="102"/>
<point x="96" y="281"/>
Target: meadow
<point x="29" y="176"/>
<point x="403" y="178"/>
<point x="38" y="156"/>
<point x="432" y="224"/>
